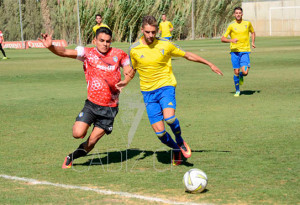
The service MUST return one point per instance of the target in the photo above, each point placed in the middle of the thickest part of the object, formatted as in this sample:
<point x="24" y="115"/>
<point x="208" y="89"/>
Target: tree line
<point x="122" y="16"/>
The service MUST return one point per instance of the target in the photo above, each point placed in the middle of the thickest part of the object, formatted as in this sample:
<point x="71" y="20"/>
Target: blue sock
<point x="173" y="122"/>
<point x="241" y="74"/>
<point x="165" y="138"/>
<point x="236" y="82"/>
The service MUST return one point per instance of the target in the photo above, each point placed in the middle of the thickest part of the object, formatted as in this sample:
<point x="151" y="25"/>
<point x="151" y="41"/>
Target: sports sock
<point x="165" y="138"/>
<point x="236" y="82"/>
<point x="3" y="52"/>
<point x="79" y="152"/>
<point x="173" y="122"/>
<point x="241" y="74"/>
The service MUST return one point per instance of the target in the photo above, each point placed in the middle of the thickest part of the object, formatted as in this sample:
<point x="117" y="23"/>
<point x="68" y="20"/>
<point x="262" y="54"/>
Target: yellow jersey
<point x="164" y="27"/>
<point x="153" y="63"/>
<point x="101" y="25"/>
<point x="239" y="31"/>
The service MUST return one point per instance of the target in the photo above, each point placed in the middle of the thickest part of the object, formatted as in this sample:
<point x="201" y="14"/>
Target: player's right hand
<point x="216" y="69"/>
<point x="46" y="40"/>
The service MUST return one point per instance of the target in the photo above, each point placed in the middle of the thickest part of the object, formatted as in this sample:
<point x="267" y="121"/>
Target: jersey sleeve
<point x="80" y="53"/>
<point x="227" y="32"/>
<point x="124" y="59"/>
<point x="176" y="51"/>
<point x="160" y="27"/>
<point x="132" y="60"/>
<point x="251" y="29"/>
<point x="170" y="25"/>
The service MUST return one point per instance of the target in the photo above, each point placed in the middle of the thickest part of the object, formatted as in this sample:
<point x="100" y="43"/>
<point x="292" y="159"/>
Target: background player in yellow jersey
<point x="165" y="28"/>
<point x="151" y="57"/>
<point x="99" y="23"/>
<point x="239" y="41"/>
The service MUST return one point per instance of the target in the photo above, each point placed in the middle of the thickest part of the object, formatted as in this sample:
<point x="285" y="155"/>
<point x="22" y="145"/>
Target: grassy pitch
<point x="248" y="146"/>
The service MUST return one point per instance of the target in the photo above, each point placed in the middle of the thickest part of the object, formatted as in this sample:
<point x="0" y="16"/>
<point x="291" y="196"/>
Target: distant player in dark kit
<point x="2" y="41"/>
<point x="101" y="66"/>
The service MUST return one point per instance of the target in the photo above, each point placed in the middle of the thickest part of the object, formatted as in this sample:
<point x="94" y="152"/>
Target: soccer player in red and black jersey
<point x="2" y="41"/>
<point x="101" y="65"/>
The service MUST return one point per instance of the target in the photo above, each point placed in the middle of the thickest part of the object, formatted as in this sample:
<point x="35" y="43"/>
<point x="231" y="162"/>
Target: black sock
<point x="79" y="152"/>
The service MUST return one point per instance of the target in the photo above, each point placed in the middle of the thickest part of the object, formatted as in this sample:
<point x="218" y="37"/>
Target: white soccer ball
<point x="195" y="181"/>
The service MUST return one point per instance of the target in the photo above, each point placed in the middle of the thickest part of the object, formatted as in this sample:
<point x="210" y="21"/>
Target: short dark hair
<point x="149" y="20"/>
<point x="238" y="8"/>
<point x="104" y="30"/>
<point x="98" y="15"/>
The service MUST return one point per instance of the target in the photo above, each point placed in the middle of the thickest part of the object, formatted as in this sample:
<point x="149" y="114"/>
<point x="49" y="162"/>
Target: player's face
<point x="164" y="17"/>
<point x="103" y="42"/>
<point x="238" y="14"/>
<point x="149" y="33"/>
<point x="98" y="19"/>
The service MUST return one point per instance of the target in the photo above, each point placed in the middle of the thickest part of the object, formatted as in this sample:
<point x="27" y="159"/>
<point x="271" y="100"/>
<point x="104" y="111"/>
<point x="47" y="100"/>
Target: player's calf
<point x="175" y="127"/>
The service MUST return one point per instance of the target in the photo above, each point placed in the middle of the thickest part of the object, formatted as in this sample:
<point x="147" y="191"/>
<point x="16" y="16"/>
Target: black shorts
<point x="101" y="116"/>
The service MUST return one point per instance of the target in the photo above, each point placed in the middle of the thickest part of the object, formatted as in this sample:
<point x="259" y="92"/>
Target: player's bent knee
<point x="78" y="134"/>
<point x="245" y="73"/>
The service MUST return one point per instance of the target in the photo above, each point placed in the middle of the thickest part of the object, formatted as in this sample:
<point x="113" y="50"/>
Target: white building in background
<point x="273" y="17"/>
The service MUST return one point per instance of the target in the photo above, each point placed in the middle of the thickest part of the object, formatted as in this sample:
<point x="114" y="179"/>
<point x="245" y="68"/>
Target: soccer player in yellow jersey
<point x="99" y="23"/>
<point x="165" y="28"/>
<point x="151" y="57"/>
<point x="239" y="41"/>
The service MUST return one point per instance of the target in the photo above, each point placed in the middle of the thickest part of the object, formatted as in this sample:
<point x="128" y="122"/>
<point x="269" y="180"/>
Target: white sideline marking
<point x="100" y="191"/>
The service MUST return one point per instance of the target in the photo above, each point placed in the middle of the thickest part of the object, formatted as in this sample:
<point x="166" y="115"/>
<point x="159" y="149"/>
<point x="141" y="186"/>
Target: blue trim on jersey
<point x="168" y="38"/>
<point x="131" y="47"/>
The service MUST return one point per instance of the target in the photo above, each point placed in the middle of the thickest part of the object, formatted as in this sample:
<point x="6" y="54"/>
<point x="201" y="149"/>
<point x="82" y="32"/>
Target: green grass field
<point x="248" y="146"/>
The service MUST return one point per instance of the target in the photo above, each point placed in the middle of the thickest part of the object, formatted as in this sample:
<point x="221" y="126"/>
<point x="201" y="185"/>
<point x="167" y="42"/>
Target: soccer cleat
<point x="67" y="163"/>
<point x="4" y="58"/>
<point x="237" y="94"/>
<point x="185" y="149"/>
<point x="241" y="78"/>
<point x="176" y="158"/>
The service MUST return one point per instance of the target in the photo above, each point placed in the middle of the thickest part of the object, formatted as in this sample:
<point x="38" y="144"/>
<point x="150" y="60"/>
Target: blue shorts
<point x="240" y="59"/>
<point x="168" y="38"/>
<point x="157" y="100"/>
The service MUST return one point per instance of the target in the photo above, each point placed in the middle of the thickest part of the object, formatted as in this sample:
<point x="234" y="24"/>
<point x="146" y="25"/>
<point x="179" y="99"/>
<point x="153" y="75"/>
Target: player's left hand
<point x="120" y="85"/>
<point x="216" y="69"/>
<point x="253" y="45"/>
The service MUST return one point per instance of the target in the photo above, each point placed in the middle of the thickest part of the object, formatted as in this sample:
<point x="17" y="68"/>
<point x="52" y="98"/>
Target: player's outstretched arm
<point x="57" y="50"/>
<point x="129" y="73"/>
<point x="193" y="57"/>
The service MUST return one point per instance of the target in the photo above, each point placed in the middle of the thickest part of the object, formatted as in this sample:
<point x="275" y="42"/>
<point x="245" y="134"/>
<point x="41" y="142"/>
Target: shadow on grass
<point x="111" y="157"/>
<point x="204" y="191"/>
<point x="210" y="151"/>
<point x="248" y="92"/>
